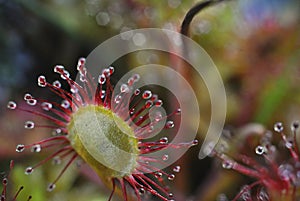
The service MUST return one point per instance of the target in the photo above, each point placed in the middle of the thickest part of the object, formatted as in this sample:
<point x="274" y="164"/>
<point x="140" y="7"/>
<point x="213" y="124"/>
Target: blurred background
<point x="254" y="43"/>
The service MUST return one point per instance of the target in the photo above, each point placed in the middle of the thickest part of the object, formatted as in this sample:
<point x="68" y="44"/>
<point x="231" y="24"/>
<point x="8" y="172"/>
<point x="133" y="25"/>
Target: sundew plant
<point x="80" y="123"/>
<point x="275" y="169"/>
<point x="5" y="194"/>
<point x="86" y="126"/>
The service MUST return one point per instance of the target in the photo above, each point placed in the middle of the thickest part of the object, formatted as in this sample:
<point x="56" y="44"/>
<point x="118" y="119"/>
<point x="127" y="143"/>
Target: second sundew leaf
<point x="33" y="186"/>
<point x="271" y="98"/>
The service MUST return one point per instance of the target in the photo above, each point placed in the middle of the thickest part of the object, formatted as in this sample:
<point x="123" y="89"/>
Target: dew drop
<point x="56" y="131"/>
<point x="176" y="168"/>
<point x="178" y="111"/>
<point x="102" y="94"/>
<point x="285" y="171"/>
<point x="31" y="101"/>
<point x="59" y="69"/>
<point x="27" y="97"/>
<point x="136" y="77"/>
<point x="74" y="89"/>
<point x="260" y="150"/>
<point x="246" y="193"/>
<point x="51" y="187"/>
<point x="130" y="81"/>
<point x="82" y="77"/>
<point x="154" y="97"/>
<point x="131" y="111"/>
<point x="148" y="104"/>
<point x="111" y="70"/>
<point x="81" y="62"/>
<point x="46" y="106"/>
<point x="20" y="148"/>
<point x="165" y="157"/>
<point x="11" y="105"/>
<point x="150" y="129"/>
<point x="289" y="144"/>
<point x="163" y="140"/>
<point x="105" y="72"/>
<point x="118" y="98"/>
<point x="36" y="148"/>
<point x="29" y="125"/>
<point x="227" y="164"/>
<point x="158" y="174"/>
<point x="65" y="104"/>
<point x="57" y="84"/>
<point x="170" y="195"/>
<point x="42" y="81"/>
<point x="295" y="126"/>
<point x="195" y="142"/>
<point x="278" y="127"/>
<point x="101" y="79"/>
<point x="142" y="191"/>
<point x="80" y="67"/>
<point x="4" y="181"/>
<point x="82" y="73"/>
<point x="124" y="88"/>
<point x="171" y="177"/>
<point x="56" y="160"/>
<point x="158" y="116"/>
<point x="158" y="103"/>
<point x="263" y="195"/>
<point x="169" y="124"/>
<point x="147" y="94"/>
<point x="137" y="92"/>
<point x="28" y="170"/>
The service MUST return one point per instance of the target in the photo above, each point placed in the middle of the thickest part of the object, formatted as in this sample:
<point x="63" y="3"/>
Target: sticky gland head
<point x="100" y="136"/>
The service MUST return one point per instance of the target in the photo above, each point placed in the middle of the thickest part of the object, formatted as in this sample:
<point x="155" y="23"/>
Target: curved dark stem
<point x="193" y="12"/>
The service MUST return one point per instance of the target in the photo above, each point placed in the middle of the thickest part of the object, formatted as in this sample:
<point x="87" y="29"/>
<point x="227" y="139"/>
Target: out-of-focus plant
<point x="273" y="166"/>
<point x="5" y="194"/>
